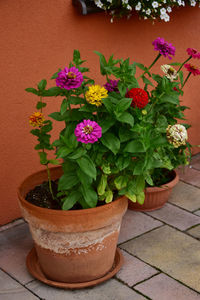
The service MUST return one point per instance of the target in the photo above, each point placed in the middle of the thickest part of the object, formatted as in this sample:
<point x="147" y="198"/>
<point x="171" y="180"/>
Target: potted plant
<point x="145" y="9"/>
<point x="158" y="141"/>
<point x="113" y="137"/>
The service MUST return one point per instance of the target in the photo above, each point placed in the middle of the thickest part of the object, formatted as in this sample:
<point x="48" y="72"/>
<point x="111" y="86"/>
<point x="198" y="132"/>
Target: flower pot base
<point x="35" y="270"/>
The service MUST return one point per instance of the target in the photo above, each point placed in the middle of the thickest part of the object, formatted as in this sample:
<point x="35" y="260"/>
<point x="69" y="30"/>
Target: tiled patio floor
<point x="161" y="250"/>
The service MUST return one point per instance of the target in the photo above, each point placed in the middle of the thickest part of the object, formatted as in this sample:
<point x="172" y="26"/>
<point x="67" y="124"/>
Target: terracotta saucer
<point x="35" y="270"/>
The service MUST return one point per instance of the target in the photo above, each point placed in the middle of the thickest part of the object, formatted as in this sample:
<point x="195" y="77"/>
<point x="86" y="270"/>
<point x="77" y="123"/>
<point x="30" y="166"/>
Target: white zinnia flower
<point x="155" y="4"/>
<point x="177" y="135"/>
<point x="129" y="7"/>
<point x="110" y="1"/>
<point x="124" y="1"/>
<point x="138" y="6"/>
<point x="169" y="71"/>
<point x="169" y="9"/>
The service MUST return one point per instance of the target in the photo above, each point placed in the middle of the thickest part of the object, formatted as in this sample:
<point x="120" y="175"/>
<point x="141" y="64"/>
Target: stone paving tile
<point x="170" y="250"/>
<point x="190" y="176"/>
<point x="134" y="270"/>
<point x="185" y="196"/>
<point x="135" y="223"/>
<point x="195" y="231"/>
<point x="15" y="243"/>
<point x="196" y="162"/>
<point x="197" y="212"/>
<point x="162" y="287"/>
<point x="175" y="216"/>
<point x="110" y="290"/>
<point x="12" y="290"/>
<point x="12" y="224"/>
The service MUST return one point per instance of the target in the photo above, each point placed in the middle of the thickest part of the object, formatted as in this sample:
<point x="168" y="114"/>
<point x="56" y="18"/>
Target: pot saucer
<point x="35" y="270"/>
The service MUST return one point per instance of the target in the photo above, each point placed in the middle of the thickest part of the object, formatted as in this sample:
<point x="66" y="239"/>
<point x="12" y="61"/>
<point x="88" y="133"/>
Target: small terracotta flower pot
<point x="72" y="246"/>
<point x="155" y="197"/>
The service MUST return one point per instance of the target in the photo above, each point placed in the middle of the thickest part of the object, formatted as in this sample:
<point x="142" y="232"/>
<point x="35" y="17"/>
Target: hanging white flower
<point x="155" y="4"/>
<point x="192" y="2"/>
<point x="138" y="6"/>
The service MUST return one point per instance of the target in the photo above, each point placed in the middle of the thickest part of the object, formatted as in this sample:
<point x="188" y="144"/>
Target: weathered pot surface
<point x="72" y="246"/>
<point x="155" y="197"/>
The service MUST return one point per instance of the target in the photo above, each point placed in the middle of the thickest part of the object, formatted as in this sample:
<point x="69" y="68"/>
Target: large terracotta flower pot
<point x="72" y="246"/>
<point x="155" y="197"/>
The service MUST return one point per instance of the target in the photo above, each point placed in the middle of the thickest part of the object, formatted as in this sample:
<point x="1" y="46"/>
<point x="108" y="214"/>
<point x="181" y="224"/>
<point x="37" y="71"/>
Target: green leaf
<point x="140" y="198"/>
<point x="57" y="116"/>
<point x="40" y="105"/>
<point x="110" y="141"/>
<point x="70" y="200"/>
<point x="55" y="75"/>
<point x="181" y="77"/>
<point x="134" y="146"/>
<point x="108" y="104"/>
<point x="105" y="124"/>
<point x="63" y="152"/>
<point x="123" y="162"/>
<point x="67" y="181"/>
<point x="42" y="85"/>
<point x="54" y="162"/>
<point x="103" y="63"/>
<point x="89" y="195"/>
<point x="170" y="98"/>
<point x="64" y="106"/>
<point x="76" y="100"/>
<point x="54" y="91"/>
<point x="131" y="197"/>
<point x="147" y="81"/>
<point x="43" y="158"/>
<point x="109" y="196"/>
<point x="85" y="180"/>
<point x="87" y="166"/>
<point x="122" y="88"/>
<point x="123" y="105"/>
<point x="127" y="118"/>
<point x="32" y="90"/>
<point x="121" y="181"/>
<point x="77" y="153"/>
<point x="102" y="185"/>
<point x="125" y="135"/>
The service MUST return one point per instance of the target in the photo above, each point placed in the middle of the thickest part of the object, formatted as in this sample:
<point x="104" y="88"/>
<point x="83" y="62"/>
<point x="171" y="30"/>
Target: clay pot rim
<point x="58" y="212"/>
<point x="165" y="186"/>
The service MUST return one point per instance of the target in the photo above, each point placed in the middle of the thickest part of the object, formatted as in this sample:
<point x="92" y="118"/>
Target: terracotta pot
<point x="155" y="197"/>
<point x="72" y="246"/>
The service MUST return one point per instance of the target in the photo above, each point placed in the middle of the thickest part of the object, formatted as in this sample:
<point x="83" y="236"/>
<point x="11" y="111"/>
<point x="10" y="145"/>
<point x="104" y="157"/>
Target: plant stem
<point x="184" y="63"/>
<point x="41" y="102"/>
<point x="49" y="180"/>
<point x="186" y="79"/>
<point x="156" y="101"/>
<point x="153" y="63"/>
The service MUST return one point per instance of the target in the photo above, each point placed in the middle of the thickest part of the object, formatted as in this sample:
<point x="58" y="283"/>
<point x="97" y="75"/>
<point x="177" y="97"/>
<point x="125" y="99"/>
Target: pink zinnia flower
<point x="88" y="132"/>
<point x="193" y="52"/>
<point x="164" y="47"/>
<point x="192" y="69"/>
<point x="69" y="78"/>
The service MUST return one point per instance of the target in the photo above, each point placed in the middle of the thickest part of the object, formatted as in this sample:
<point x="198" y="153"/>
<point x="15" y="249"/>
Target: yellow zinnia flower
<point x="36" y="119"/>
<point x="95" y="94"/>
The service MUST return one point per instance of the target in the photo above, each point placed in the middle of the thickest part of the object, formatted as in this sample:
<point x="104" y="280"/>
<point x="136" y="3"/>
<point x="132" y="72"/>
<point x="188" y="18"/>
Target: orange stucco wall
<point x="37" y="37"/>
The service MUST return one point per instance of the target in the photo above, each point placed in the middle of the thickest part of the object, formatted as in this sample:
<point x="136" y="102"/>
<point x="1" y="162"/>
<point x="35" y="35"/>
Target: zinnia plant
<point x="114" y="136"/>
<point x="146" y="9"/>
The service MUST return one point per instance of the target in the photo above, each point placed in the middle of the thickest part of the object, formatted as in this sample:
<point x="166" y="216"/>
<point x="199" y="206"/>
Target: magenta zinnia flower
<point x="88" y="132"/>
<point x="69" y="78"/>
<point x="193" y="52"/>
<point x="111" y="86"/>
<point x="164" y="47"/>
<point x="192" y="69"/>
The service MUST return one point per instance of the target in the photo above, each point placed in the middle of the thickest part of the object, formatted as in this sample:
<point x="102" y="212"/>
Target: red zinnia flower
<point x="193" y="52"/>
<point x="192" y="69"/>
<point x="139" y="96"/>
